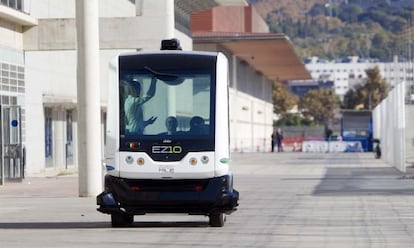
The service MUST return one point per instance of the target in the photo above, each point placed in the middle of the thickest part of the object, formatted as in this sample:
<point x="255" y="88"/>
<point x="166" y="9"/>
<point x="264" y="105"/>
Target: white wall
<point x="35" y="130"/>
<point x="389" y="124"/>
<point x="56" y="72"/>
<point x="51" y="65"/>
<point x="51" y="80"/>
<point x="142" y="32"/>
<point x="251" y="122"/>
<point x="66" y="8"/>
<point x="11" y="35"/>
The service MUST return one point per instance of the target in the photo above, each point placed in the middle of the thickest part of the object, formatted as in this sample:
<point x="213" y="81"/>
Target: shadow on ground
<point x="365" y="181"/>
<point x="96" y="225"/>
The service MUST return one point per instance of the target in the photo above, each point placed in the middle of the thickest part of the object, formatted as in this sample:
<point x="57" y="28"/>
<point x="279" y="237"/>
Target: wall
<point x="43" y="9"/>
<point x="409" y="134"/>
<point x="51" y="62"/>
<point x="229" y="19"/>
<point x="250" y="123"/>
<point x="256" y="23"/>
<point x="389" y="122"/>
<point x="202" y="21"/>
<point x="11" y="35"/>
<point x="225" y="22"/>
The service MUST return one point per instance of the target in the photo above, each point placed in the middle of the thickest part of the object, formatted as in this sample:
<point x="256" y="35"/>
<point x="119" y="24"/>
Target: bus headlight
<point x="140" y="161"/>
<point x="129" y="159"/>
<point x="204" y="159"/>
<point x="193" y="161"/>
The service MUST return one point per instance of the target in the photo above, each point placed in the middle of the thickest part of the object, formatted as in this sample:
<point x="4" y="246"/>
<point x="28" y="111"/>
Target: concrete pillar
<point x="88" y="90"/>
<point x="162" y="11"/>
<point x="59" y="138"/>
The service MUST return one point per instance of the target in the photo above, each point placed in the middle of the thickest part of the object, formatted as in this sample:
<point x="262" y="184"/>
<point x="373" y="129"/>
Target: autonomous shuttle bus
<point x="167" y="137"/>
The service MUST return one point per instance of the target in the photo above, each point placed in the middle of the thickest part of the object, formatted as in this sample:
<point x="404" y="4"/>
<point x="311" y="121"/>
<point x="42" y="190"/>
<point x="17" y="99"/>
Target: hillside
<point x="334" y="29"/>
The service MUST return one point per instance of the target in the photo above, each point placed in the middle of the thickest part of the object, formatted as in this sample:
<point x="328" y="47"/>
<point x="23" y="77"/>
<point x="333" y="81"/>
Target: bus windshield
<point x="152" y="107"/>
<point x="167" y="98"/>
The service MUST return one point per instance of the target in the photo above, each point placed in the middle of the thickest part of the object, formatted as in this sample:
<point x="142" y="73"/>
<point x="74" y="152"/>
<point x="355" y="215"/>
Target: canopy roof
<point x="269" y="53"/>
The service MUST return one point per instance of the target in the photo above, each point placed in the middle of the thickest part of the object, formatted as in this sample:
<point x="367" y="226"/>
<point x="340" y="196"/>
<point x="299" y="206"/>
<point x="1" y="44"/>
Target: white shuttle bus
<point x="167" y="137"/>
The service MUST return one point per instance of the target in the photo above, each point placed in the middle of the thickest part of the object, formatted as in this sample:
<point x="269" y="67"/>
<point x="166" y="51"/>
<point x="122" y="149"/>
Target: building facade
<point x="38" y="69"/>
<point x="347" y="74"/>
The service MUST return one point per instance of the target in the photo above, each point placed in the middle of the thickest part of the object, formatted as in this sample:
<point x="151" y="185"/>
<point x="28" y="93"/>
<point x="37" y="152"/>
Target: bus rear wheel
<point x="121" y="220"/>
<point x="217" y="220"/>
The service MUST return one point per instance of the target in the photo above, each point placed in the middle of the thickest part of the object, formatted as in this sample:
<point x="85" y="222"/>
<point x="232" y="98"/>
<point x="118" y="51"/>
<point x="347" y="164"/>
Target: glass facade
<point x="12" y="85"/>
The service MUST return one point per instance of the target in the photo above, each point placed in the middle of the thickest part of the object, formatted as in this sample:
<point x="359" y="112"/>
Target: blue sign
<point x="14" y="123"/>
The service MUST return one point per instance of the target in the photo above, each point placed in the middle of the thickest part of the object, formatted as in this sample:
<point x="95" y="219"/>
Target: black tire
<point x="217" y="220"/>
<point x="121" y="220"/>
<point x="377" y="152"/>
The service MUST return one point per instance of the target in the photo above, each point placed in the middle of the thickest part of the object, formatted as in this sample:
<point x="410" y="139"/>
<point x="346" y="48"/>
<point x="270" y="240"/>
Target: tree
<point x="283" y="100"/>
<point x="374" y="90"/>
<point x="351" y="99"/>
<point x="320" y="104"/>
<point x="350" y="13"/>
<point x="294" y="119"/>
<point x="368" y="95"/>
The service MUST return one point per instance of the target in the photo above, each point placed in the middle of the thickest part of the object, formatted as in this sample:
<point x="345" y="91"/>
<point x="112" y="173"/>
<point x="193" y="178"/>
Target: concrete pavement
<point x="287" y="200"/>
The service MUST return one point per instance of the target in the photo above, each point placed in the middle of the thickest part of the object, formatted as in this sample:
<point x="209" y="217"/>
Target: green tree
<point x="350" y="13"/>
<point x="368" y="95"/>
<point x="351" y="99"/>
<point x="319" y="104"/>
<point x="283" y="100"/>
<point x="374" y="90"/>
<point x="294" y="119"/>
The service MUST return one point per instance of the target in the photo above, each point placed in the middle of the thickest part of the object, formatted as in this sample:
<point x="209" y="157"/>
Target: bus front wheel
<point x="217" y="220"/>
<point x="121" y="220"/>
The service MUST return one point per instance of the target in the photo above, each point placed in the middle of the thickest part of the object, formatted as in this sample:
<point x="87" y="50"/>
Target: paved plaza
<point x="287" y="200"/>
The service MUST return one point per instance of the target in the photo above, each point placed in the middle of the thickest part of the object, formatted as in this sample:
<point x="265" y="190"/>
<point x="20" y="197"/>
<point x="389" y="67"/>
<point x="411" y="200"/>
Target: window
<point x="15" y="4"/>
<point x="12" y="78"/>
<point x="186" y="107"/>
<point x="69" y="137"/>
<point x="48" y="137"/>
<point x="166" y="98"/>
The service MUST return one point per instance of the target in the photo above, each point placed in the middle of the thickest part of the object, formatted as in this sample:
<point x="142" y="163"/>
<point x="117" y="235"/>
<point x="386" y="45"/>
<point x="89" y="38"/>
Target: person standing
<point x="133" y="106"/>
<point x="273" y="140"/>
<point x="279" y="140"/>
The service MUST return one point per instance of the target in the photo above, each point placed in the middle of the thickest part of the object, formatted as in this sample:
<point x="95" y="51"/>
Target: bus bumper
<point x="192" y="196"/>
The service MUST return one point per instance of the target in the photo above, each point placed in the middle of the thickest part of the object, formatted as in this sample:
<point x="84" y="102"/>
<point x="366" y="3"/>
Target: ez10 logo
<point x="167" y="149"/>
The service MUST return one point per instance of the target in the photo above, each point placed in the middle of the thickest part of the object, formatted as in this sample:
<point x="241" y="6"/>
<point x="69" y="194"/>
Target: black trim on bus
<point x="193" y="196"/>
<point x="165" y="149"/>
<point x="170" y="62"/>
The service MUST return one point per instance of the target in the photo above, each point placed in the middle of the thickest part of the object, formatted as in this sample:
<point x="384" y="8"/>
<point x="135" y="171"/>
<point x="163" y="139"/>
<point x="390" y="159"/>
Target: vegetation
<point x="317" y="107"/>
<point x="283" y="100"/>
<point x="294" y="119"/>
<point x="365" y="28"/>
<point x="369" y="95"/>
<point x="320" y="105"/>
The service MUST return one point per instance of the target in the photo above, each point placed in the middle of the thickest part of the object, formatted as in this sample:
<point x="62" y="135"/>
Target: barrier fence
<point x="296" y="144"/>
<point x="389" y="122"/>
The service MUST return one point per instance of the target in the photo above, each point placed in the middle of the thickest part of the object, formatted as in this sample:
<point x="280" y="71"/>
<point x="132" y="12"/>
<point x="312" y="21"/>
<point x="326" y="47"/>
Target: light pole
<point x="88" y="94"/>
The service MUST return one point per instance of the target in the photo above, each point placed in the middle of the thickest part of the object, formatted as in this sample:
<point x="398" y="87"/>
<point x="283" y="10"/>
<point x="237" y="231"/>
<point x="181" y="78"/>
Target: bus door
<point x="12" y="164"/>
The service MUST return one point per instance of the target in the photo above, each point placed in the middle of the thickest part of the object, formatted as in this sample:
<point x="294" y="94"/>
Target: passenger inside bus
<point x="197" y="126"/>
<point x="171" y="124"/>
<point x="133" y="102"/>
